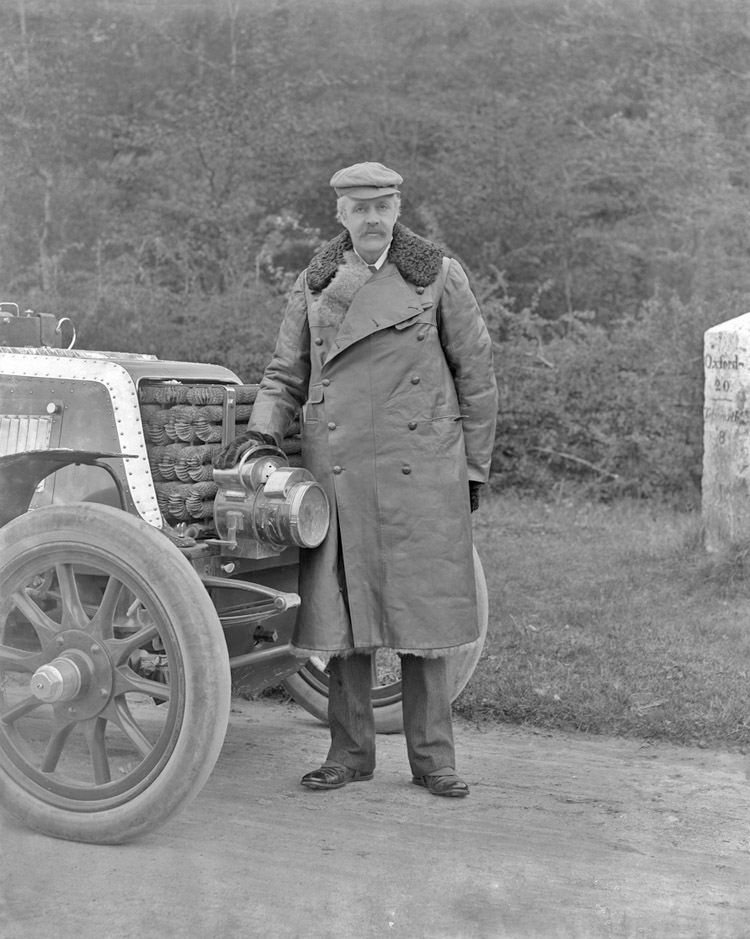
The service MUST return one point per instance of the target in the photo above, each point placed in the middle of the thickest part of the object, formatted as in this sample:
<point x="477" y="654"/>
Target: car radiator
<point x="184" y="428"/>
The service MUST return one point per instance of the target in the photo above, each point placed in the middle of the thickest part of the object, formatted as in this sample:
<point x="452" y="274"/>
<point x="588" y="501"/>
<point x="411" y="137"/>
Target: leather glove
<point x="230" y="455"/>
<point x="474" y="488"/>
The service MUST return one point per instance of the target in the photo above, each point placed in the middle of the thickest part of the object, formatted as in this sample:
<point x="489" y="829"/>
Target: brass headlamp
<point x="263" y="505"/>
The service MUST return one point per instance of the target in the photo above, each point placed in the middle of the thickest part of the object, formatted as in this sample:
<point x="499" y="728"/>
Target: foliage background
<point x="165" y="169"/>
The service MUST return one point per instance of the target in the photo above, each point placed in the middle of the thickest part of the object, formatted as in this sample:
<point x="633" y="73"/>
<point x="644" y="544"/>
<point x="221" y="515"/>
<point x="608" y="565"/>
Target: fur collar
<point x="329" y="306"/>
<point x="418" y="260"/>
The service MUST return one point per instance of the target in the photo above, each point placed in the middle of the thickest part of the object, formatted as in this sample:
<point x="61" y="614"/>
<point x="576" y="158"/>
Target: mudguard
<point x="21" y="473"/>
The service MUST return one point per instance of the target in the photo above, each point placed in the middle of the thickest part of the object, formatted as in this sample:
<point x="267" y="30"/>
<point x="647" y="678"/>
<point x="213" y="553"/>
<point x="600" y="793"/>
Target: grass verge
<point x="611" y="620"/>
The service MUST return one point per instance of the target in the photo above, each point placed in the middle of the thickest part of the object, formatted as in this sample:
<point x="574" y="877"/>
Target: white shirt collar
<point x="380" y="261"/>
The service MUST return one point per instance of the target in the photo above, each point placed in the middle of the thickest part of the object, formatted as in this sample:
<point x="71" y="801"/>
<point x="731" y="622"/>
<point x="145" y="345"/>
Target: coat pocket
<point x="423" y="315"/>
<point x="445" y="437"/>
<point x="409" y="321"/>
<point x="311" y="408"/>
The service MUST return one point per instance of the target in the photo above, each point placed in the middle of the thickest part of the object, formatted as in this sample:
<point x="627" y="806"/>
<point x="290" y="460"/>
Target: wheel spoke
<point x="102" y="623"/>
<point x="127" y="681"/>
<point x="12" y="714"/>
<point x="374" y="681"/>
<point x="60" y="733"/>
<point x="43" y="626"/>
<point x="94" y="733"/>
<point x="119" y="712"/>
<point x="73" y="614"/>
<point x="24" y="661"/>
<point x="121" y="649"/>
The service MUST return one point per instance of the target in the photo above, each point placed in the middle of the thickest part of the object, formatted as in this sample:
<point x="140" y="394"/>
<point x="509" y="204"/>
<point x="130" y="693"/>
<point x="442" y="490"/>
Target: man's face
<point x="370" y="223"/>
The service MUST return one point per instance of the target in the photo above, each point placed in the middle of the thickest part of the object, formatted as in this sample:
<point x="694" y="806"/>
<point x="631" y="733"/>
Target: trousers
<point x="428" y="721"/>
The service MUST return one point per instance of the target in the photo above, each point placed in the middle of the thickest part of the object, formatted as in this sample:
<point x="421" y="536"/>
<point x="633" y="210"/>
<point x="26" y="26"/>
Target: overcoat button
<point x="326" y="382"/>
<point x="331" y="425"/>
<point x="420" y="337"/>
<point x="404" y="469"/>
<point x="412" y="425"/>
<point x="415" y="380"/>
<point x="337" y="470"/>
<point x="420" y="290"/>
<point x="318" y="341"/>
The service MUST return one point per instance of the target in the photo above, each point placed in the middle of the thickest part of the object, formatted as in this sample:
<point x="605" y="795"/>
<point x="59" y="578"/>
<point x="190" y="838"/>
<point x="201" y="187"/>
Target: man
<point x="384" y="348"/>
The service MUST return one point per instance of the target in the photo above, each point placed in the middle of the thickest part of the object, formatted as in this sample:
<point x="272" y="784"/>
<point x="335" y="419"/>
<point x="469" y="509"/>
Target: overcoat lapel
<point x="384" y="300"/>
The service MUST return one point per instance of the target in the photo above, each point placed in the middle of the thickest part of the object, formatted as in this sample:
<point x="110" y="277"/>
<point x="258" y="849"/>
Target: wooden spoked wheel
<point x="114" y="674"/>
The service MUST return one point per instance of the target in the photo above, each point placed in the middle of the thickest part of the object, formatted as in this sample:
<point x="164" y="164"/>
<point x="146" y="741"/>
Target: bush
<point x="237" y="330"/>
<point x="619" y="410"/>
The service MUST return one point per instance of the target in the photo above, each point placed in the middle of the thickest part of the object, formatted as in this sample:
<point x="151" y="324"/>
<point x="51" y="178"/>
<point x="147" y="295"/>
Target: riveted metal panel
<point x="97" y="405"/>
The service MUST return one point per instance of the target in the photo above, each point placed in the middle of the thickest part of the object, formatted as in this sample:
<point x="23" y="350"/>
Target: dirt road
<point x="562" y="836"/>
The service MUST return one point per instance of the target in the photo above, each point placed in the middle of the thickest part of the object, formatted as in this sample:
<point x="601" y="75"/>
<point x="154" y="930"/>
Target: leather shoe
<point x="447" y="785"/>
<point x="333" y="777"/>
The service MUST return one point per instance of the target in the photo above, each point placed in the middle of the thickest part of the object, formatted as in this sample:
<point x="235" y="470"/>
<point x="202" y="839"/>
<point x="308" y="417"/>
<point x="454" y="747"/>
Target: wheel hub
<point x="59" y="680"/>
<point x="80" y="675"/>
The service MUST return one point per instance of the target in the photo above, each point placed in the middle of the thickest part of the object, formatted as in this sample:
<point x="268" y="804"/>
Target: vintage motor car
<point x="139" y="586"/>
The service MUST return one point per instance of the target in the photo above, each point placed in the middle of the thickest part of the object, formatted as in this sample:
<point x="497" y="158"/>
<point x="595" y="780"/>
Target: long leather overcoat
<point x="399" y="407"/>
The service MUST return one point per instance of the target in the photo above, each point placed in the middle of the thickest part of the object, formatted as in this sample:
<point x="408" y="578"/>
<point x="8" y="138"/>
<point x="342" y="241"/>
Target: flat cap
<point x="366" y="181"/>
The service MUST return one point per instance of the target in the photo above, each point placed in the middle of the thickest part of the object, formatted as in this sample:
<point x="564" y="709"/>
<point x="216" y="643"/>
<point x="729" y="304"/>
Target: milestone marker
<point x="726" y="433"/>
